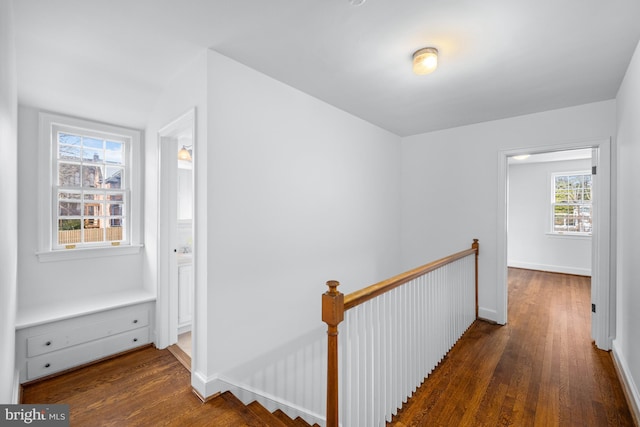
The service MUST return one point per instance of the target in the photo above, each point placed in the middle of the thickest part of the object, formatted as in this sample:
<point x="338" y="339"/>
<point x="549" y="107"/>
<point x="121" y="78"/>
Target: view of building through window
<point x="90" y="189"/>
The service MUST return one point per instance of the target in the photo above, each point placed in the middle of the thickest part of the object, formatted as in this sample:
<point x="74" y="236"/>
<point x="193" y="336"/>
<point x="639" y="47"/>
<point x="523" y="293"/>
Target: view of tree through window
<point x="571" y="204"/>
<point x="91" y="192"/>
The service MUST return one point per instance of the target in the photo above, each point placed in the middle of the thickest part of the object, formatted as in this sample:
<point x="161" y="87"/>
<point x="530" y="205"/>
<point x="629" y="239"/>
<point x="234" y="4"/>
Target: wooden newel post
<point x="476" y="247"/>
<point x="332" y="315"/>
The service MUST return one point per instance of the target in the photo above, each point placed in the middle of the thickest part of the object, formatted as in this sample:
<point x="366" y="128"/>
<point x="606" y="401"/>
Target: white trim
<point x="601" y="246"/>
<point x="203" y="385"/>
<point x="84" y="253"/>
<point x="247" y="394"/>
<point x="550" y="268"/>
<point x="45" y="252"/>
<point x="488" y="314"/>
<point x="577" y="236"/>
<point x="167" y="308"/>
<point x="626" y="379"/>
<point x="15" y="393"/>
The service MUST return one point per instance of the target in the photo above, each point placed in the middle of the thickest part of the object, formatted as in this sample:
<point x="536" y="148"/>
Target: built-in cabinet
<point x="57" y="345"/>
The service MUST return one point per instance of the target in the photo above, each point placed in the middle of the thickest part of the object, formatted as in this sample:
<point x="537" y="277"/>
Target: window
<point x="571" y="203"/>
<point x="89" y="187"/>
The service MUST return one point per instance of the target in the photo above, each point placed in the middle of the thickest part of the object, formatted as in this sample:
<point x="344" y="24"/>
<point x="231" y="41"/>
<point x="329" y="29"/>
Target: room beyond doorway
<point x="600" y="264"/>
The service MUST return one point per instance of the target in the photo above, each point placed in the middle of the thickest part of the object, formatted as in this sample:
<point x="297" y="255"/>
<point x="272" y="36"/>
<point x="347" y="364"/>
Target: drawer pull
<point x="47" y="343"/>
<point x="47" y="365"/>
<point x="135" y="321"/>
<point x="135" y="339"/>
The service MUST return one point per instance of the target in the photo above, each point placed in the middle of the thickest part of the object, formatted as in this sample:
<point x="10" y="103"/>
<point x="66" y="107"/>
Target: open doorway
<point x="601" y="288"/>
<point x="175" y="230"/>
<point x="549" y="233"/>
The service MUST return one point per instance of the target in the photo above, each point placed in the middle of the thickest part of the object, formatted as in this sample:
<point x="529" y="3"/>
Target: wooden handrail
<point x="334" y="304"/>
<point x="358" y="297"/>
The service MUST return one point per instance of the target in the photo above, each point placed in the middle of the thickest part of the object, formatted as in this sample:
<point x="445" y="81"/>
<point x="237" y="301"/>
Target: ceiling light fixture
<point x="356" y="2"/>
<point x="425" y="60"/>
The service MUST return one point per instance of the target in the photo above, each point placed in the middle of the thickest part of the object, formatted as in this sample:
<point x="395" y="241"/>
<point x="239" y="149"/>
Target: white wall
<point x="299" y="193"/>
<point x="8" y="195"/>
<point x="186" y="91"/>
<point x="47" y="283"/>
<point x="450" y="183"/>
<point x="626" y="346"/>
<point x="530" y="245"/>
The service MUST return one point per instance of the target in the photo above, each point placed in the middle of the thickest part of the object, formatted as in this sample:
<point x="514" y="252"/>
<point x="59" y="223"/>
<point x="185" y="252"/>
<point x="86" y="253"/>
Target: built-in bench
<point x="57" y="337"/>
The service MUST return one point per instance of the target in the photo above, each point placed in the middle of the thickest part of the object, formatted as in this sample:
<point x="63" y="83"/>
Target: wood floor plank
<point x="541" y="369"/>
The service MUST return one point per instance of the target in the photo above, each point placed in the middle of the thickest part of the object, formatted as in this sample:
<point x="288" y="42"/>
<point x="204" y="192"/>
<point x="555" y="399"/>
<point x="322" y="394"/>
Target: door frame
<point x="167" y="265"/>
<point x="601" y="280"/>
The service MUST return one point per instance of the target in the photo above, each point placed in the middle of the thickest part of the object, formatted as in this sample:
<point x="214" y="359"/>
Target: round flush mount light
<point x="425" y="60"/>
<point x="356" y="2"/>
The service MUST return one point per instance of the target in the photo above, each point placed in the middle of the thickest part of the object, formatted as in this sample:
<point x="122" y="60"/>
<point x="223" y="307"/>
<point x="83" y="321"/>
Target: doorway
<point x="600" y="246"/>
<point x="175" y="230"/>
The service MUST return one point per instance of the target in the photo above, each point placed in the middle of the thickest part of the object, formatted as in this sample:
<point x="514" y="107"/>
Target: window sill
<point x="569" y="236"/>
<point x="72" y="254"/>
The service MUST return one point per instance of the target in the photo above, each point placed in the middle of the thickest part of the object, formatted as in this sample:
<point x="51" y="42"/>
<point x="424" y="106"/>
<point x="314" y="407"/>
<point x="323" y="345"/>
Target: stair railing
<point x="398" y="330"/>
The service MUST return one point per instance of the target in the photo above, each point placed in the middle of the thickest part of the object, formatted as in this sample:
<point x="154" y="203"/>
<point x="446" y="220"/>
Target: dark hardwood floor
<point x="541" y="369"/>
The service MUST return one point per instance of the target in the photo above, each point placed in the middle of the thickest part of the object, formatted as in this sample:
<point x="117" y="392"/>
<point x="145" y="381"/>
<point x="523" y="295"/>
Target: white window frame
<point x="48" y="250"/>
<point x="552" y="187"/>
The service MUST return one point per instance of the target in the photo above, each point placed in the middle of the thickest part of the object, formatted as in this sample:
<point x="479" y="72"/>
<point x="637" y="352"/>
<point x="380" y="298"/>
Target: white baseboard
<point x="248" y="394"/>
<point x="487" y="314"/>
<point x="204" y="386"/>
<point x="628" y="385"/>
<point x="551" y="268"/>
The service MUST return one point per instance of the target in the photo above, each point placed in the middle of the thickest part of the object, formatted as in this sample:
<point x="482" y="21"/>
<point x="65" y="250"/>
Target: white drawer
<point x="92" y="330"/>
<point x="60" y="360"/>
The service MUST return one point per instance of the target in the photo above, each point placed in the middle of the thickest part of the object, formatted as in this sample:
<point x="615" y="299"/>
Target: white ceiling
<point x="110" y="59"/>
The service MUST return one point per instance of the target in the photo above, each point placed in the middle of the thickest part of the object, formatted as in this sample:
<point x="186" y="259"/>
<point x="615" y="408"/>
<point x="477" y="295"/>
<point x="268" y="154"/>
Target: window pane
<point x="68" y="231"/>
<point x="115" y="197"/>
<point x="92" y="176"/>
<point x="69" y="196"/>
<point x="114" y="151"/>
<point x="561" y="182"/>
<point x="93" y="230"/>
<point x="69" y="139"/>
<point x="114" y="230"/>
<point x="113" y="177"/>
<point x="562" y="196"/>
<point x="90" y="155"/>
<point x="93" y="143"/>
<point x="116" y="209"/>
<point x="68" y="152"/>
<point x="93" y="196"/>
<point x="69" y="208"/>
<point x="93" y="209"/>
<point x="587" y="188"/>
<point x="68" y="175"/>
